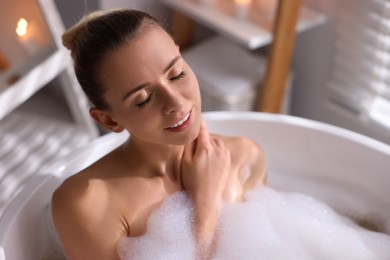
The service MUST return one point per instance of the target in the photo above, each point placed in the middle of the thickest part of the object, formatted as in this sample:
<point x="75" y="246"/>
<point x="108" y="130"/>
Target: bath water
<point x="269" y="225"/>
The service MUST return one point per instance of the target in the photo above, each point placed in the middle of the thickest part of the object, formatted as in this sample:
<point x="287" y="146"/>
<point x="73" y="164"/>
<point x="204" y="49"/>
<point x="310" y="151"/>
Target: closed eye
<point x="181" y="75"/>
<point x="144" y="103"/>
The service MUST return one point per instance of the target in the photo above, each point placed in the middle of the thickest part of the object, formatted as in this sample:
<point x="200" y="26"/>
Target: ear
<point x="104" y="119"/>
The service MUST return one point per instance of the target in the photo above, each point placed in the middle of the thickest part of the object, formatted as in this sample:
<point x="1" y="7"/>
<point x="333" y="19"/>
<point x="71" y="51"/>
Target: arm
<point x="205" y="168"/>
<point x="84" y="223"/>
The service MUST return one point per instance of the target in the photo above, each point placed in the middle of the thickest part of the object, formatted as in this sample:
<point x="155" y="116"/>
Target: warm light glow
<point x="242" y="2"/>
<point x="21" y="27"/>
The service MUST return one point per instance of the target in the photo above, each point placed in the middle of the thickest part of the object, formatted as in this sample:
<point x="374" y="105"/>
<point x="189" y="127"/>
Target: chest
<point x="137" y="198"/>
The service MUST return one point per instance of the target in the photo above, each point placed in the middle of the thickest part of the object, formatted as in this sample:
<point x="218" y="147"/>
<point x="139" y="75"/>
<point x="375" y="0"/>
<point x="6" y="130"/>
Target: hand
<point x="205" y="167"/>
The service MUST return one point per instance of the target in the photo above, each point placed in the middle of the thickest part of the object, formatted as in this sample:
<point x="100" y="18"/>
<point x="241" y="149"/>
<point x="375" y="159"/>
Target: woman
<point x="133" y="73"/>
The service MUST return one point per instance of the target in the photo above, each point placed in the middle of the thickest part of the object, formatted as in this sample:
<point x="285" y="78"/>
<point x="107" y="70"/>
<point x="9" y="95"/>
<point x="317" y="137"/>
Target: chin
<point x="188" y="137"/>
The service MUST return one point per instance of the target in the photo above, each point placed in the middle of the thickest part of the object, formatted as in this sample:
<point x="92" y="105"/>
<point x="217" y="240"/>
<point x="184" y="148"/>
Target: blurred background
<point x="337" y="71"/>
<point x="340" y="67"/>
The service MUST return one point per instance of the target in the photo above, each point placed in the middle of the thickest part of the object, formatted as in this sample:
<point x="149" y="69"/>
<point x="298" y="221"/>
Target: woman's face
<point x="151" y="90"/>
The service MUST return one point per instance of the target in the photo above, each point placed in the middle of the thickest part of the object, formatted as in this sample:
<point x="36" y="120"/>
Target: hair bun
<point x="71" y="36"/>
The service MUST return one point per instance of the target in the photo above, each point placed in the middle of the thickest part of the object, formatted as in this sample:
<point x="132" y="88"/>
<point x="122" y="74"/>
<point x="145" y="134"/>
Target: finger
<point x="189" y="150"/>
<point x="218" y="142"/>
<point x="228" y="154"/>
<point x="203" y="140"/>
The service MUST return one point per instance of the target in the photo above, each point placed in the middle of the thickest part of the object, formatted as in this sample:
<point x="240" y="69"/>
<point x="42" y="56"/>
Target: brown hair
<point x="94" y="36"/>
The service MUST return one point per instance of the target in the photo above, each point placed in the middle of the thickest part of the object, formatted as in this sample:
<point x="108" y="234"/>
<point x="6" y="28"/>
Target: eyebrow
<point x="131" y="92"/>
<point x="143" y="85"/>
<point x="170" y="65"/>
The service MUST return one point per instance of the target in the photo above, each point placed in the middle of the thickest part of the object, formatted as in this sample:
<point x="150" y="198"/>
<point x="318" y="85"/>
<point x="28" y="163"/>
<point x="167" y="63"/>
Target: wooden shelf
<point x="13" y="95"/>
<point x="30" y="141"/>
<point x="253" y="33"/>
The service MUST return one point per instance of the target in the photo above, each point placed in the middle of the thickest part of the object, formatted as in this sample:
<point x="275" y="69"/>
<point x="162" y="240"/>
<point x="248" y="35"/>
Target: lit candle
<point x="25" y="35"/>
<point x="242" y="8"/>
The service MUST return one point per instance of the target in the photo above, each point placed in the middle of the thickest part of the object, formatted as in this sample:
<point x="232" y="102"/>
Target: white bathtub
<point x="349" y="171"/>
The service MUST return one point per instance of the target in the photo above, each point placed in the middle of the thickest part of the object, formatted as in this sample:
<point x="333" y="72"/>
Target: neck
<point x="162" y="160"/>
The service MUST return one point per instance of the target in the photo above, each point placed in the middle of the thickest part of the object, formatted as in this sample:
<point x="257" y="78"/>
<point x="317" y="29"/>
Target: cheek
<point x="193" y="86"/>
<point x="142" y="125"/>
<point x="143" y="119"/>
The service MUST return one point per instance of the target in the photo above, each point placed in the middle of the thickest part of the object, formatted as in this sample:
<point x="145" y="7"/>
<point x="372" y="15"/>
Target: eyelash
<point x="180" y="76"/>
<point x="144" y="103"/>
<point x="149" y="99"/>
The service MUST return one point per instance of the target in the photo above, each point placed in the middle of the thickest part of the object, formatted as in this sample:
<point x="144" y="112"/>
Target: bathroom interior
<point x="309" y="80"/>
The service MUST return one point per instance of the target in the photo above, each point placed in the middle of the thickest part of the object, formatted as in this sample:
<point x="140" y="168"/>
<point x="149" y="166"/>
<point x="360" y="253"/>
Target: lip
<point x="184" y="125"/>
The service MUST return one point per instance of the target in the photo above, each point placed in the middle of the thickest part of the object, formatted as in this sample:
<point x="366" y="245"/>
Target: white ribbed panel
<point x="361" y="71"/>
<point x="28" y="144"/>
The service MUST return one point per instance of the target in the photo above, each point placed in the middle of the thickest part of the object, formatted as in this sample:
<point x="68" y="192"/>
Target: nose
<point x="171" y="99"/>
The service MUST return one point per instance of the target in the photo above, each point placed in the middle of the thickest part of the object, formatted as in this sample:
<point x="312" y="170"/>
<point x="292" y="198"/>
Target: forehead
<point x="149" y="41"/>
<point x="149" y="52"/>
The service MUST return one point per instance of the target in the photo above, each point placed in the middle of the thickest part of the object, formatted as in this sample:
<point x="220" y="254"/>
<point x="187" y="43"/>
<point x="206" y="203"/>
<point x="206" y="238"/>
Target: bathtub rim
<point x="301" y="122"/>
<point x="16" y="205"/>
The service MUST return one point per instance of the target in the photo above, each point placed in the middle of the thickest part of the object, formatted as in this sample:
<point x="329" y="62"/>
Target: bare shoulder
<point x="243" y="149"/>
<point x="81" y="211"/>
<point x="77" y="192"/>
<point x="246" y="152"/>
<point x="83" y="189"/>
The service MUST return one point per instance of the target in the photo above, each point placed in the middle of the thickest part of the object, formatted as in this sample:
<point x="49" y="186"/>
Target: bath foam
<point x="347" y="199"/>
<point x="268" y="225"/>
<point x="169" y="234"/>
